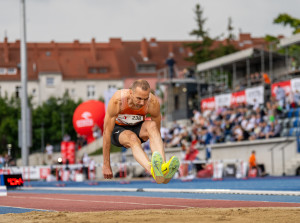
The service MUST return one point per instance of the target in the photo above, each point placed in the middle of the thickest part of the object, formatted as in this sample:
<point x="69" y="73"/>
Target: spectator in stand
<point x="175" y="142"/>
<point x="280" y="96"/>
<point x="170" y="62"/>
<point x="266" y="78"/>
<point x="257" y="78"/>
<point x="206" y="139"/>
<point x="81" y="141"/>
<point x="251" y="122"/>
<point x="255" y="104"/>
<point x="1" y="161"/>
<point x="275" y="129"/>
<point x="165" y="136"/>
<point x="270" y="112"/>
<point x="297" y="98"/>
<point x="96" y="131"/>
<point x="196" y="117"/>
<point x="66" y="138"/>
<point x="289" y="100"/>
<point x="255" y="134"/>
<point x="265" y="130"/>
<point x="238" y="133"/>
<point x="49" y="151"/>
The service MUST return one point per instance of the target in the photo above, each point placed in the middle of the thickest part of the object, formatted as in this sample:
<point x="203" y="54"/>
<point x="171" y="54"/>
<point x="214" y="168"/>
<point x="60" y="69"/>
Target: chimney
<point x="55" y="46"/>
<point x="6" y="51"/>
<point x="144" y="49"/>
<point x="170" y="49"/>
<point x="115" y="42"/>
<point x="76" y="43"/>
<point x="93" y="49"/>
<point x="245" y="36"/>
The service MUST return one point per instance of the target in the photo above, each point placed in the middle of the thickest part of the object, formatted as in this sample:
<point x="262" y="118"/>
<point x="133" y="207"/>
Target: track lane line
<point x="111" y="202"/>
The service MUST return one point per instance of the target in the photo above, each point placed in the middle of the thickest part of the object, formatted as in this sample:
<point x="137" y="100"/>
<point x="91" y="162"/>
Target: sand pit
<point x="235" y="215"/>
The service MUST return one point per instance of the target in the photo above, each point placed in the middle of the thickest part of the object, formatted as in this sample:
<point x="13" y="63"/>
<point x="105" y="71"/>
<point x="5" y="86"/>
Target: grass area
<point x="113" y="149"/>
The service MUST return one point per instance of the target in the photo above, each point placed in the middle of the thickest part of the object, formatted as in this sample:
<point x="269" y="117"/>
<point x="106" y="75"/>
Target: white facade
<point x="53" y="85"/>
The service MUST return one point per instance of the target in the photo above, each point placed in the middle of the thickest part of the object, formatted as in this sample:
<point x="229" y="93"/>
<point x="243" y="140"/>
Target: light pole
<point x="24" y="86"/>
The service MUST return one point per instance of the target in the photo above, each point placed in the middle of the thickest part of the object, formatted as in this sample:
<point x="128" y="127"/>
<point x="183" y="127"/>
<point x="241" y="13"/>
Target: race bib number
<point x="130" y="119"/>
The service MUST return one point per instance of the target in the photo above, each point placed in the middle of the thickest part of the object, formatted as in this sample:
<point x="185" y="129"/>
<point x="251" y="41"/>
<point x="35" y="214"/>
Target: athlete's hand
<point x="107" y="172"/>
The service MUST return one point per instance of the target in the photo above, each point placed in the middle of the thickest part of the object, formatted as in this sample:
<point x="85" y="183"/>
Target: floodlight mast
<point x="23" y="52"/>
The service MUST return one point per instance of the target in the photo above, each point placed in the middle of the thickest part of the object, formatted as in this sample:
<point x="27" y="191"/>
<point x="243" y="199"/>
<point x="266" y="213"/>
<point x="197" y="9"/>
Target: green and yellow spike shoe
<point x="156" y="163"/>
<point x="170" y="168"/>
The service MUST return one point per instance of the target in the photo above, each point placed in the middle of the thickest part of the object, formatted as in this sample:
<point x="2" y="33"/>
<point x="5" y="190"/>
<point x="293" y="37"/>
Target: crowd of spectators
<point x="228" y="124"/>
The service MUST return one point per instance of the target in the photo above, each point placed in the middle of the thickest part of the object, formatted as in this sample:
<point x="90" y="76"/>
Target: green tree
<point x="287" y="20"/>
<point x="205" y="49"/>
<point x="228" y="48"/>
<point x="51" y="118"/>
<point x="293" y="51"/>
<point x="9" y="115"/>
<point x="202" y="47"/>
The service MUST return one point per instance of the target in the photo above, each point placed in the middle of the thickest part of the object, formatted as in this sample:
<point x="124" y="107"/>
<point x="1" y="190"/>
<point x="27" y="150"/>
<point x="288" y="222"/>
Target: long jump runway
<point x="112" y="195"/>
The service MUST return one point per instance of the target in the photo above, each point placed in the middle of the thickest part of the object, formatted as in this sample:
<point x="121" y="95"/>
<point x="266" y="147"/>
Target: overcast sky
<point x="66" y="20"/>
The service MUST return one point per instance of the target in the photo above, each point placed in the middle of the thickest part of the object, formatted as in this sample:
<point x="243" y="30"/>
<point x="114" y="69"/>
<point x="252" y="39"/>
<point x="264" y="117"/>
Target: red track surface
<point x="85" y="203"/>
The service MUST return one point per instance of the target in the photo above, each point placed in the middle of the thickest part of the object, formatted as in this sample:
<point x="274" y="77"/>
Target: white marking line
<point x="112" y="202"/>
<point x="197" y="191"/>
<point x="26" y="208"/>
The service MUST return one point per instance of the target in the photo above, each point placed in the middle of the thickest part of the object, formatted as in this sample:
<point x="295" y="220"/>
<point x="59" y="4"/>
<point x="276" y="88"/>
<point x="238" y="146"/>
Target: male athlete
<point x="125" y="125"/>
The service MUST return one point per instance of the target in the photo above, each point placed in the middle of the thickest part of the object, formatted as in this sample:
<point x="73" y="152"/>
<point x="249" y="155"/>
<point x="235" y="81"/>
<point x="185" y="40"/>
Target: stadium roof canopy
<point x="239" y="58"/>
<point x="295" y="39"/>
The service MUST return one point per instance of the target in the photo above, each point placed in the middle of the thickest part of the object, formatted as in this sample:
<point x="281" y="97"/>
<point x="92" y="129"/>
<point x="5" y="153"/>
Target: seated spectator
<point x="280" y="96"/>
<point x="196" y="117"/>
<point x="275" y="130"/>
<point x="175" y="141"/>
<point x="165" y="135"/>
<point x="238" y="133"/>
<point x="265" y="129"/>
<point x="296" y="98"/>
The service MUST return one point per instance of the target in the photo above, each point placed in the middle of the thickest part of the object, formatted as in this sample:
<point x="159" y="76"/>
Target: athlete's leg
<point x="150" y="131"/>
<point x="130" y="140"/>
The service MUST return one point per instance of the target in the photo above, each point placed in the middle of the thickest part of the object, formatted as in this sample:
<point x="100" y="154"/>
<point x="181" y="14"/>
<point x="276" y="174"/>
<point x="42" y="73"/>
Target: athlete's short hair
<point x="143" y="84"/>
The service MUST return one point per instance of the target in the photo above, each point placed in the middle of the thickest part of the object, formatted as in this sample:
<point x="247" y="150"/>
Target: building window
<point x="103" y="70"/>
<point x="90" y="91"/>
<point x="146" y="68"/>
<point x="0" y="91"/>
<point x="98" y="70"/>
<point x="12" y="70"/>
<point x="33" y="91"/>
<point x="49" y="81"/>
<point x="93" y="70"/>
<point x="2" y="70"/>
<point x="18" y="91"/>
<point x="73" y="92"/>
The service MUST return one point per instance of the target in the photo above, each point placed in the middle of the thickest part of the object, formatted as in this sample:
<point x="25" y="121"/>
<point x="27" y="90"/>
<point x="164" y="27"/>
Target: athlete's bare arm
<point x="154" y="111"/>
<point x="109" y="124"/>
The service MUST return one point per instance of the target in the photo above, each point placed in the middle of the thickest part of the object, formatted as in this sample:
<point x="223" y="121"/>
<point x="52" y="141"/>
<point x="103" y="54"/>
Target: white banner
<point x="295" y="84"/>
<point x="223" y="100"/>
<point x="255" y="93"/>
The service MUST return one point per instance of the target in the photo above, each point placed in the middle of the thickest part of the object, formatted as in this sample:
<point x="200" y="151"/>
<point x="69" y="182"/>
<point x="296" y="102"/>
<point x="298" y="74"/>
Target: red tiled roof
<point x="73" y="60"/>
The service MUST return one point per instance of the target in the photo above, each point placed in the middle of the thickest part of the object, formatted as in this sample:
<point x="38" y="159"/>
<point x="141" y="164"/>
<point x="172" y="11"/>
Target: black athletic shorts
<point x="120" y="128"/>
